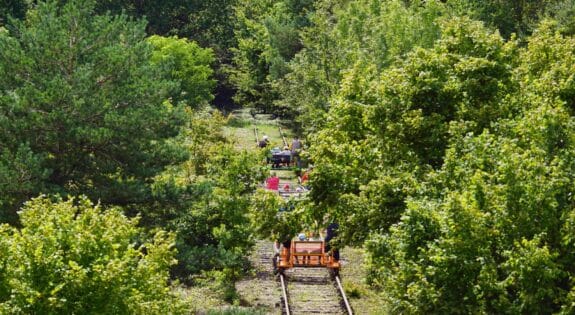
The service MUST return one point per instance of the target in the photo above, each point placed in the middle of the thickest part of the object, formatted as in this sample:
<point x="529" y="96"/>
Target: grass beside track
<point x="363" y="299"/>
<point x="241" y="128"/>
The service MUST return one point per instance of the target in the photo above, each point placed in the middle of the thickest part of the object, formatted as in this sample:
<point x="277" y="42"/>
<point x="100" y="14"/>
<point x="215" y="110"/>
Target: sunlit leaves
<point x="74" y="257"/>
<point x="455" y="166"/>
<point x="188" y="64"/>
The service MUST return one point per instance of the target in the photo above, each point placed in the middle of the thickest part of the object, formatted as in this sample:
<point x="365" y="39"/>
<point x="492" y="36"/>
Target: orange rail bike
<point x="306" y="254"/>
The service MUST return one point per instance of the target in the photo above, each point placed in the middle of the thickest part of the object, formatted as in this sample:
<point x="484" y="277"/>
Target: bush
<point x="70" y="257"/>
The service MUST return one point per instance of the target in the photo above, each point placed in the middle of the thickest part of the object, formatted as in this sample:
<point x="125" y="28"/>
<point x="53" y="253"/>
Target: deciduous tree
<point x="73" y="257"/>
<point x="188" y="64"/>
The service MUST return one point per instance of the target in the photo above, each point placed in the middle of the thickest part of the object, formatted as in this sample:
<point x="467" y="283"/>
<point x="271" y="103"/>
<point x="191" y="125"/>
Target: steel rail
<point x="284" y="292"/>
<point x="347" y="306"/>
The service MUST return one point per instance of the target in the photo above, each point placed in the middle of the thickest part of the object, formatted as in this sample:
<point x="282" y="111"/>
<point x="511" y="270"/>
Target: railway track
<point x="312" y="291"/>
<point x="308" y="290"/>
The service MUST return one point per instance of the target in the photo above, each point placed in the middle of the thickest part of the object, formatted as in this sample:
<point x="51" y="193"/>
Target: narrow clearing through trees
<point x="308" y="290"/>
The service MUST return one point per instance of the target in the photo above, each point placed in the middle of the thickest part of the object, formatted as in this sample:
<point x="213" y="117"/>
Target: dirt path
<point x="261" y="290"/>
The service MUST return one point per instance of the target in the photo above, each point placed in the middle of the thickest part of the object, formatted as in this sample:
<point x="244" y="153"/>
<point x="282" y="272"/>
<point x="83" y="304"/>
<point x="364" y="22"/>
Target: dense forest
<point x="442" y="135"/>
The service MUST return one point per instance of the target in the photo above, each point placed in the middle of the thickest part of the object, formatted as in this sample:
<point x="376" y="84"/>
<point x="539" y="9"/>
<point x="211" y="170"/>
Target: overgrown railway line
<point x="312" y="291"/>
<point x="308" y="290"/>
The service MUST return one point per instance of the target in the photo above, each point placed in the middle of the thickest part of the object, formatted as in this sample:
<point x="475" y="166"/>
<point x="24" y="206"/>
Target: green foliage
<point x="445" y="148"/>
<point x="462" y="78"/>
<point x="216" y="232"/>
<point x="21" y="175"/>
<point x="188" y="64"/>
<point x="83" y="109"/>
<point x="210" y="23"/>
<point x="490" y="238"/>
<point x="452" y="163"/>
<point x="12" y="9"/>
<point x="268" y="37"/>
<point x="547" y="64"/>
<point x="383" y="133"/>
<point x="274" y="218"/>
<point x="206" y="199"/>
<point x="490" y="230"/>
<point x="348" y="35"/>
<point x="562" y="11"/>
<point x="511" y="16"/>
<point x="72" y="257"/>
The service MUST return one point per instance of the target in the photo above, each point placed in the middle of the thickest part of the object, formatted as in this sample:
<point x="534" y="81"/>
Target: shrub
<point x="71" y="257"/>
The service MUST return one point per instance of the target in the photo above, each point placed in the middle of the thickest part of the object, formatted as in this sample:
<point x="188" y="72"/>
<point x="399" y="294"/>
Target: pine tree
<point x="82" y="107"/>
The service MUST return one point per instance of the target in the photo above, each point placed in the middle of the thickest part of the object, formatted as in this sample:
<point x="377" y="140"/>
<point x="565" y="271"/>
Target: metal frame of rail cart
<point x="307" y="254"/>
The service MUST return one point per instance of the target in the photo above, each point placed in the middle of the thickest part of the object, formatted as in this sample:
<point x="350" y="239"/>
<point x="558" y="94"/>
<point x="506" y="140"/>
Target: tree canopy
<point x="84" y="109"/>
<point x="452" y="165"/>
<point x="188" y="64"/>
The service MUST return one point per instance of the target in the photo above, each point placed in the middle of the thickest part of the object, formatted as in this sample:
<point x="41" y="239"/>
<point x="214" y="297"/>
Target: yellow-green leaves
<point x="74" y="257"/>
<point x="188" y="64"/>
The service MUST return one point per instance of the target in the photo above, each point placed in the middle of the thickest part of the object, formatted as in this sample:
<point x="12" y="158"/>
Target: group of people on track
<point x="289" y="155"/>
<point x="296" y="144"/>
<point x="273" y="183"/>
